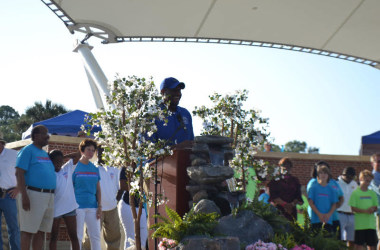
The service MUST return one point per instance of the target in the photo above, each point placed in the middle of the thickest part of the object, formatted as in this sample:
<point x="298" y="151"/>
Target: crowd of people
<point x="347" y="207"/>
<point x="41" y="188"/>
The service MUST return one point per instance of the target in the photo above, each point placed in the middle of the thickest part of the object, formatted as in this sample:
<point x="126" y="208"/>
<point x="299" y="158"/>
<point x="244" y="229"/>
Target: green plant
<point x="287" y="240"/>
<point x="317" y="239"/>
<point x="177" y="228"/>
<point x="268" y="213"/>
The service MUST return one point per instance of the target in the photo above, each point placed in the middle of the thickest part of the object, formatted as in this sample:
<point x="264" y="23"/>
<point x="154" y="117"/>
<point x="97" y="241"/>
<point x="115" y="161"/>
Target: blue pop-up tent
<point x="373" y="138"/>
<point x="67" y="124"/>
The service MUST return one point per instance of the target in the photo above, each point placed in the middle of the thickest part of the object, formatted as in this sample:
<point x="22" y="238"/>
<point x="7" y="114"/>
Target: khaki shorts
<point x="41" y="214"/>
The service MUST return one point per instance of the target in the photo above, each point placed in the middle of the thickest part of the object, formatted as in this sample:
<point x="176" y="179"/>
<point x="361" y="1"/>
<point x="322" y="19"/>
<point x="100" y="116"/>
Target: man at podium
<point x="180" y="126"/>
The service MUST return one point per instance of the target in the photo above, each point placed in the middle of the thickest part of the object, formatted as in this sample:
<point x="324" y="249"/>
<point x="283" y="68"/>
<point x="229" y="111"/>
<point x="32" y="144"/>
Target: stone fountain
<point x="209" y="172"/>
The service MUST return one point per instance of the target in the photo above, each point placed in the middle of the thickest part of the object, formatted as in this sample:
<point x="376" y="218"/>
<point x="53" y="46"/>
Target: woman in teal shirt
<point x="87" y="193"/>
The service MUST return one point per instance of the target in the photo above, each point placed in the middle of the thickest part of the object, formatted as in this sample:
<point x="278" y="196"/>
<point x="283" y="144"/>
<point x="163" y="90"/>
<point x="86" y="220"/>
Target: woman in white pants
<point x="125" y="214"/>
<point x="87" y="194"/>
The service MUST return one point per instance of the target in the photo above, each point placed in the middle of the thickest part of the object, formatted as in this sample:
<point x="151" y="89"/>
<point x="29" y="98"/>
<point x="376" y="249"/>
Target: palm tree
<point x="40" y="112"/>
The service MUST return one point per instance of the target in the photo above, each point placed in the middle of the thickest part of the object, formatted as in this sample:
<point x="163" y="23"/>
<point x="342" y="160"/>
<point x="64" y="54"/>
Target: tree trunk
<point x="136" y="220"/>
<point x="243" y="173"/>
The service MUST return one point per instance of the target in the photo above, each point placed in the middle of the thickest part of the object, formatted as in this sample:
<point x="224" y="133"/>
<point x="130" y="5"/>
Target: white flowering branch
<point x="228" y="118"/>
<point x="128" y="124"/>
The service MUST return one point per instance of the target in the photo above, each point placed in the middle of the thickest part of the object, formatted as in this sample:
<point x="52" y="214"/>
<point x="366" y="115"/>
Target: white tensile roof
<point x="347" y="29"/>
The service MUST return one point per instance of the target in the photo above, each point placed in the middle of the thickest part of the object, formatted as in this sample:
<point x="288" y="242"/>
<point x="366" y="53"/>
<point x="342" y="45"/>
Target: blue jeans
<point x="9" y="208"/>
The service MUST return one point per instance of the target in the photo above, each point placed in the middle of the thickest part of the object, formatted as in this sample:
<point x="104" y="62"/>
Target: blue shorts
<point x="347" y="226"/>
<point x="69" y="214"/>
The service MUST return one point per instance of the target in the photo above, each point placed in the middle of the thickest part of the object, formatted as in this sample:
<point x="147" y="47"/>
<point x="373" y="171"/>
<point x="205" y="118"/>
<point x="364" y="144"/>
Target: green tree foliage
<point x="39" y="112"/>
<point x="8" y="119"/>
<point x="13" y="125"/>
<point x="300" y="147"/>
<point x="312" y="150"/>
<point x="276" y="148"/>
<point x="295" y="146"/>
<point x="7" y="115"/>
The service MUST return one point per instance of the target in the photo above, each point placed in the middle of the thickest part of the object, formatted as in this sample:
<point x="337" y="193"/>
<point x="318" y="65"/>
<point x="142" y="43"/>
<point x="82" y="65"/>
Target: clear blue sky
<point x="329" y="103"/>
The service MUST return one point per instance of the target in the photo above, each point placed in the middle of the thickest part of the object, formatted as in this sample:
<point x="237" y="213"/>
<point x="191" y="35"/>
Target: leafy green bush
<point x="317" y="239"/>
<point x="286" y="240"/>
<point x="268" y="213"/>
<point x="289" y="234"/>
<point x="177" y="228"/>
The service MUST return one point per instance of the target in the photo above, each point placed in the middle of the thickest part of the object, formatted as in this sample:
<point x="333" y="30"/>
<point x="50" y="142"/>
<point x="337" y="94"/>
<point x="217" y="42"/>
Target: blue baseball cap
<point x="171" y="83"/>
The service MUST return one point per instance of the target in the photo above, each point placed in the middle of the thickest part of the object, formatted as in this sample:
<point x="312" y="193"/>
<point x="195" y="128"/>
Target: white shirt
<point x="64" y="199"/>
<point x="347" y="189"/>
<point x="109" y="185"/>
<point x="8" y="168"/>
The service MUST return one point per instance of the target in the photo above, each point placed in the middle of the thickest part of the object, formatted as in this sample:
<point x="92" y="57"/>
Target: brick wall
<point x="303" y="163"/>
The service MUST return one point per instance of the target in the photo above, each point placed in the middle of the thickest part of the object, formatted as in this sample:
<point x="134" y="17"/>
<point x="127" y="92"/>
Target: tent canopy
<point x="347" y="29"/>
<point x="373" y="138"/>
<point x="68" y="124"/>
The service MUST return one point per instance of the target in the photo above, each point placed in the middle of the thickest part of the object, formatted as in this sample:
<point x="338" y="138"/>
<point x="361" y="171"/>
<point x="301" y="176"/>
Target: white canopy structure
<point x="345" y="29"/>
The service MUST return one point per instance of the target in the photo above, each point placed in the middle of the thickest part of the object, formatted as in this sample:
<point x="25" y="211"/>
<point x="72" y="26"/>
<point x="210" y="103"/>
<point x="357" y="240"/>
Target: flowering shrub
<point x="302" y="247"/>
<point x="133" y="106"/>
<point x="260" y="245"/>
<point x="167" y="244"/>
<point x="263" y="170"/>
<point x="248" y="130"/>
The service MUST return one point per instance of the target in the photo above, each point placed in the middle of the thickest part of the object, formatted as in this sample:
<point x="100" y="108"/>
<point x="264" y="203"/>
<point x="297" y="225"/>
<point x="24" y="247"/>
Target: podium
<point x="172" y="180"/>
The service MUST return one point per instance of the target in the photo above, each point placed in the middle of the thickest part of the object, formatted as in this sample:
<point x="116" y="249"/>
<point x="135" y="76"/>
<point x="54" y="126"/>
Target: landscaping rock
<point x="210" y="174"/>
<point x="193" y="189"/>
<point x="206" y="243"/>
<point x="247" y="226"/>
<point x="200" y="148"/>
<point x="213" y="139"/>
<point x="206" y="206"/>
<point x="198" y="161"/>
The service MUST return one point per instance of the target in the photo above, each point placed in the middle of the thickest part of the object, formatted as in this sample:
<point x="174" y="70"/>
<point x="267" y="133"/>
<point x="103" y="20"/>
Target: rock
<point x="200" y="196"/>
<point x="206" y="243"/>
<point x="206" y="206"/>
<point x="213" y="139"/>
<point x="200" y="148"/>
<point x="199" y="161"/>
<point x="247" y="226"/>
<point x="209" y="174"/>
<point x="193" y="189"/>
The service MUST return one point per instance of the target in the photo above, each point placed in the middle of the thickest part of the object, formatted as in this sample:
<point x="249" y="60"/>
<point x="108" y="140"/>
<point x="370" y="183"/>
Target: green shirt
<point x="364" y="200"/>
<point x="300" y="216"/>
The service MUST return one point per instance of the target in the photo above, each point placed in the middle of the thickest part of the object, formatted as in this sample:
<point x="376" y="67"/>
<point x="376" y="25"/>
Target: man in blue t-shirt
<point x="36" y="182"/>
<point x="179" y="127"/>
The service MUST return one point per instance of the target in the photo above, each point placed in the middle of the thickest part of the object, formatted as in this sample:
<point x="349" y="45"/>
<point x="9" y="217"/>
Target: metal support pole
<point x="95" y="91"/>
<point x="93" y="71"/>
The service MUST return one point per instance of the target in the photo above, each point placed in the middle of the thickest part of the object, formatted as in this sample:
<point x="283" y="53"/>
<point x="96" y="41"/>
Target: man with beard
<point x="179" y="127"/>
